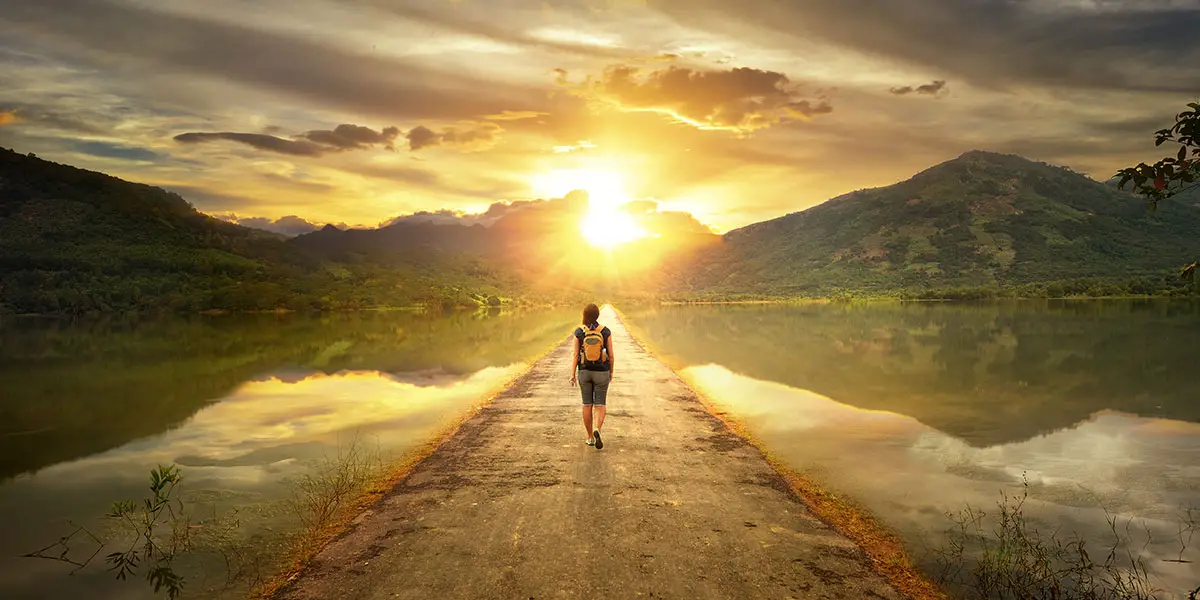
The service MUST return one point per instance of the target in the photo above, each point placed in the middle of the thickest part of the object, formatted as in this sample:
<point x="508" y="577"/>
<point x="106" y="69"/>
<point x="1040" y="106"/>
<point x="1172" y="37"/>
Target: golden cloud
<point x="9" y="116"/>
<point x="741" y="99"/>
<point x="515" y="115"/>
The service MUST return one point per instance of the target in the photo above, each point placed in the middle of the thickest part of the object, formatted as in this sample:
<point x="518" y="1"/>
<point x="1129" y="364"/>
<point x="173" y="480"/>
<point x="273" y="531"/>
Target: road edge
<point x="300" y="559"/>
<point x="883" y="546"/>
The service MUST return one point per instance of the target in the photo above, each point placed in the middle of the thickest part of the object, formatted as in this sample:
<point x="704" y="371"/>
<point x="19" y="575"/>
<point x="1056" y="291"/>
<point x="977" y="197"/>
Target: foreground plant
<point x="158" y="532"/>
<point x="1013" y="560"/>
<point x="158" y="526"/>
<point x="1172" y="175"/>
<point x="320" y="496"/>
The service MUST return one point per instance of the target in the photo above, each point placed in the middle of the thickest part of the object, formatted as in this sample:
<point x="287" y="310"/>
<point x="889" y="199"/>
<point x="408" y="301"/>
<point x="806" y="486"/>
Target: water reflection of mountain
<point x="72" y="390"/>
<point x="987" y="374"/>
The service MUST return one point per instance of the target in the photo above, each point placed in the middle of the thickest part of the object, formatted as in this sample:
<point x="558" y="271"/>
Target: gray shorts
<point x="594" y="386"/>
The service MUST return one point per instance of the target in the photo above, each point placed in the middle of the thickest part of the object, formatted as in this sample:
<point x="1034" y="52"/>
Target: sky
<point x="294" y="113"/>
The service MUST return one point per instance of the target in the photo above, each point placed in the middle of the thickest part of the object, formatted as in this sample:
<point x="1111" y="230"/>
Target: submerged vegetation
<point x="1006" y="556"/>
<point x="162" y="540"/>
<point x="157" y="530"/>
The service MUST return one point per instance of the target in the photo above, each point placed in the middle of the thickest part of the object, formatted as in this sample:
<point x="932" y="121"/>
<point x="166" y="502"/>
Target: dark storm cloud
<point x="741" y="98"/>
<point x="929" y="89"/>
<point x="1141" y="46"/>
<point x="99" y="31"/>
<point x="313" y="143"/>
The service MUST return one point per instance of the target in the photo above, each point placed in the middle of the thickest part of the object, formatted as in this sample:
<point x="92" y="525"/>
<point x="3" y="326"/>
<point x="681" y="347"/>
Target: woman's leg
<point x="600" y="396"/>
<point x="587" y="389"/>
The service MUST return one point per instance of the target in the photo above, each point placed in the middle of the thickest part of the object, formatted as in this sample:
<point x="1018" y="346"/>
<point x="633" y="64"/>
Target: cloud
<point x="305" y="70"/>
<point x="444" y="216"/>
<point x="313" y="143"/>
<point x="582" y="145"/>
<point x="515" y="115"/>
<point x="417" y="178"/>
<point x="929" y="89"/>
<point x="497" y="28"/>
<point x="739" y="99"/>
<point x="1134" y="46"/>
<point x="421" y="137"/>
<point x="495" y="212"/>
<point x="258" y="141"/>
<point x="466" y="137"/>
<point x="290" y="225"/>
<point x="204" y="198"/>
<point x="118" y="151"/>
<point x="353" y="137"/>
<point x="72" y="119"/>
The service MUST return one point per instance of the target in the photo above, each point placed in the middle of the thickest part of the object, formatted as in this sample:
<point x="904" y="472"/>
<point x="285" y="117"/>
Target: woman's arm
<point x="574" y="358"/>
<point x="612" y="361"/>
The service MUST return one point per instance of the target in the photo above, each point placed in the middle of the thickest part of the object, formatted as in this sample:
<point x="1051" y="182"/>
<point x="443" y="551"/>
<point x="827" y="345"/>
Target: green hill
<point x="77" y="241"/>
<point x="982" y="219"/>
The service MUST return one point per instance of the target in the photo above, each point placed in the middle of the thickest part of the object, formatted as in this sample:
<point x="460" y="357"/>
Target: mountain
<point x="540" y="240"/>
<point x="76" y="241"/>
<point x="982" y="219"/>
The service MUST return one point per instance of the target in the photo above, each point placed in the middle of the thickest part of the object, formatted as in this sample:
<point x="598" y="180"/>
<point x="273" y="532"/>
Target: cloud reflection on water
<point x="910" y="474"/>
<point x="303" y="417"/>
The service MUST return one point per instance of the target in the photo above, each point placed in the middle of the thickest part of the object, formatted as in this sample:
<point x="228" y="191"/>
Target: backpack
<point x="592" y="345"/>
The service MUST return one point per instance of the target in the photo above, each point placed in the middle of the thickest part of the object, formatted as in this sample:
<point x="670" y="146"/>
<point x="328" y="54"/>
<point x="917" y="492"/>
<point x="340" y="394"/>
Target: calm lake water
<point x="244" y="405"/>
<point x="915" y="410"/>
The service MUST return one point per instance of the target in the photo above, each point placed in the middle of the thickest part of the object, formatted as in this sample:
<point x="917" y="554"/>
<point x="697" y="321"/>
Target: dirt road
<point x="515" y="505"/>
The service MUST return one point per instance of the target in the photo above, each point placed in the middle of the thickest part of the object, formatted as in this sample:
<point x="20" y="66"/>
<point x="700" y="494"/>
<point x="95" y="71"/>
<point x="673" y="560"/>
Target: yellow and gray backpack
<point x="592" y="345"/>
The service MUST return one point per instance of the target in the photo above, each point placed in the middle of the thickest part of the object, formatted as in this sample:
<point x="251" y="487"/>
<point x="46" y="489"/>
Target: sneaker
<point x="599" y="443"/>
<point x="591" y="442"/>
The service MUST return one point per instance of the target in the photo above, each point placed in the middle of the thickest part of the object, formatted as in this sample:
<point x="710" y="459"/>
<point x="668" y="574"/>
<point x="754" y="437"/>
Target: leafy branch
<point x="150" y="545"/>
<point x="144" y="521"/>
<point x="1172" y="175"/>
<point x="63" y="548"/>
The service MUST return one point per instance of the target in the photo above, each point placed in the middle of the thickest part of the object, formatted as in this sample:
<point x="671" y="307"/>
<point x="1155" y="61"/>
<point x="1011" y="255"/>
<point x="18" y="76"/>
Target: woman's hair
<point x="591" y="314"/>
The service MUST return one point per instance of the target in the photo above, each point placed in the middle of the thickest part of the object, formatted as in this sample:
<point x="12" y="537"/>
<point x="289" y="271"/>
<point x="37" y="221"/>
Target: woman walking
<point x="592" y="368"/>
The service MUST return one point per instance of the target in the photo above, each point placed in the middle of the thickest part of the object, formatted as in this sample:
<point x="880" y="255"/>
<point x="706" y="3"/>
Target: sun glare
<point x="605" y="225"/>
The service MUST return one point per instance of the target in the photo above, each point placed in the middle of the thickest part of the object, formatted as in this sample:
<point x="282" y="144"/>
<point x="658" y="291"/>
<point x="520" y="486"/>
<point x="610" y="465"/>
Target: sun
<point x="606" y="224"/>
